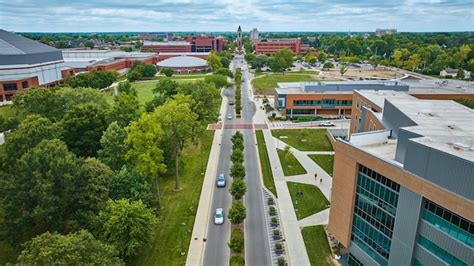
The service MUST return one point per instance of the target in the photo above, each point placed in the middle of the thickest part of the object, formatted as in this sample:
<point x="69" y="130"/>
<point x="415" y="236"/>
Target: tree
<point x="165" y="88"/>
<point x="30" y="132"/>
<point x="219" y="81"/>
<point x="205" y="100"/>
<point x="322" y="57"/>
<point x="40" y="101"/>
<point x="225" y="72"/>
<point x="238" y="188"/>
<point x="225" y="62"/>
<point x="237" y="155"/>
<point x="83" y="127"/>
<point x="237" y="170"/>
<point x="144" y="139"/>
<point x="236" y="243"/>
<point x="237" y="213"/>
<point x="343" y="69"/>
<point x="414" y="61"/>
<point x="127" y="225"/>
<point x="260" y="62"/>
<point x="214" y="61"/>
<point x="97" y="79"/>
<point x="113" y="146"/>
<point x="177" y="121"/>
<point x="37" y="194"/>
<point x="167" y="71"/>
<point x="89" y="44"/>
<point x="126" y="106"/>
<point x="134" y="75"/>
<point x="310" y="59"/>
<point x="91" y="189"/>
<point x="282" y="60"/>
<point x="79" y="248"/>
<point x="328" y="65"/>
<point x="129" y="184"/>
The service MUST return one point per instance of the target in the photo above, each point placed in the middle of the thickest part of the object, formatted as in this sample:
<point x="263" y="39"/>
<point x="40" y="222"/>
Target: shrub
<point x="237" y="155"/>
<point x="237" y="170"/>
<point x="238" y="188"/>
<point x="270" y="201"/>
<point x="167" y="71"/>
<point x="236" y="243"/>
<point x="237" y="213"/>
<point x="281" y="262"/>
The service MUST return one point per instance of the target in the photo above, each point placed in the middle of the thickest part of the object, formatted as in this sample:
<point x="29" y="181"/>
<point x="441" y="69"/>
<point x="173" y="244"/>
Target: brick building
<point x="271" y="46"/>
<point x="402" y="188"/>
<point x="206" y="43"/>
<point x="25" y="63"/>
<point x="167" y="47"/>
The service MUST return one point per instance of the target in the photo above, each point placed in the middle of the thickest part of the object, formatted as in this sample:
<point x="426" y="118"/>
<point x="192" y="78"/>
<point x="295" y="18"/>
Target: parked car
<point x="229" y="116"/>
<point x="220" y="180"/>
<point x="231" y="102"/>
<point x="219" y="216"/>
<point x="326" y="124"/>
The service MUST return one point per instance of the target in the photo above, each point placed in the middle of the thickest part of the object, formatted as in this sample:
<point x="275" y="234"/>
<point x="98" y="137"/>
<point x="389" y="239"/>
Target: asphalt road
<point x="257" y="250"/>
<point x="217" y="252"/>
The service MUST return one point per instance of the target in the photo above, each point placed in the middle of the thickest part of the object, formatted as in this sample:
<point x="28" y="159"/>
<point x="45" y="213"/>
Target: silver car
<point x="219" y="216"/>
<point x="220" y="180"/>
<point x="229" y="117"/>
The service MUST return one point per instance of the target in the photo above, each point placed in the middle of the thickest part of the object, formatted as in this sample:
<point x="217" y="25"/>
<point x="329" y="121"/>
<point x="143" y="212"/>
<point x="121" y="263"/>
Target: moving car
<point x="326" y="124"/>
<point x="229" y="116"/>
<point x="231" y="102"/>
<point x="219" y="216"/>
<point x="220" y="180"/>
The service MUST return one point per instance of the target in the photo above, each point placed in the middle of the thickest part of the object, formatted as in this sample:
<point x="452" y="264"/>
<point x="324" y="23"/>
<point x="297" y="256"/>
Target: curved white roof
<point x="182" y="61"/>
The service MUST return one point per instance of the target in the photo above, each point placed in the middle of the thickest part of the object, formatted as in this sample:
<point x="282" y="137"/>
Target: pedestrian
<point x="320" y="180"/>
<point x="315" y="175"/>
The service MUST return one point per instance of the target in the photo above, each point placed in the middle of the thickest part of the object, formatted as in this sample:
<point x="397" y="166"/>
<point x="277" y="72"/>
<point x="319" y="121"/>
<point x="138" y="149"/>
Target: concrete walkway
<point x="201" y="223"/>
<point x="319" y="218"/>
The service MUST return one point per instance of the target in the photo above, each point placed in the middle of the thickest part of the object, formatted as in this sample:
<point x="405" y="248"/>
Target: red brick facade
<point x="272" y="46"/>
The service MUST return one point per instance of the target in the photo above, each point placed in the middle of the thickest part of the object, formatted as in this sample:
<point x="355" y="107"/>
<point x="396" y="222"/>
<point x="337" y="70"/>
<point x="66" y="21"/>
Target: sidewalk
<point x="197" y="245"/>
<point x="294" y="239"/>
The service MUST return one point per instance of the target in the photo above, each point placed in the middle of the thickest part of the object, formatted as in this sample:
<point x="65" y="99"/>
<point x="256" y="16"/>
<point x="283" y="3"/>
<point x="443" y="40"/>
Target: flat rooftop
<point x="172" y="43"/>
<point x="443" y="125"/>
<point x="183" y="53"/>
<point x="338" y="86"/>
<point x="378" y="97"/>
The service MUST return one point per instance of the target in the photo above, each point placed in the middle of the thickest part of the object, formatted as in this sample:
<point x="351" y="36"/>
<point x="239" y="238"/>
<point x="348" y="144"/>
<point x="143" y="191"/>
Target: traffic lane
<point x="217" y="251"/>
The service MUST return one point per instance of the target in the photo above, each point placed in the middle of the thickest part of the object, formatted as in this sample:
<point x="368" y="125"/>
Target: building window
<point x="449" y="222"/>
<point x="24" y="84"/>
<point x="439" y="252"/>
<point x="374" y="213"/>
<point x="303" y="111"/>
<point x="353" y="261"/>
<point x="9" y="87"/>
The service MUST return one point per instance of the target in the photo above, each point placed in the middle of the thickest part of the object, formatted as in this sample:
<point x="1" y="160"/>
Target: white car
<point x="220" y="180"/>
<point x="326" y="124"/>
<point x="229" y="116"/>
<point x="219" y="216"/>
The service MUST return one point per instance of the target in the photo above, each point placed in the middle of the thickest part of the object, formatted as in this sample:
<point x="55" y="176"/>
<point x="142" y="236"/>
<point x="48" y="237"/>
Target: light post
<point x="183" y="225"/>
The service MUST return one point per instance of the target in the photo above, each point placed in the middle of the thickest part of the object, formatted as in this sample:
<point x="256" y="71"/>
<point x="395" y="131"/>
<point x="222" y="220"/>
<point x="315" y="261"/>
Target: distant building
<point x="167" y="47"/>
<point x="382" y="32"/>
<point x="206" y="43"/>
<point x="184" y="64"/>
<point x="403" y="186"/>
<point x="253" y="36"/>
<point x="271" y="46"/>
<point x="25" y="63"/>
<point x="453" y="73"/>
<point x="91" y="60"/>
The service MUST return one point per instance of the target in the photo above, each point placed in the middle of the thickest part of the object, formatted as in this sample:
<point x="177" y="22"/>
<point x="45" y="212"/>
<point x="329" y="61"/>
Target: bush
<point x="278" y="246"/>
<point x="237" y="155"/>
<point x="237" y="261"/>
<point x="237" y="213"/>
<point x="238" y="188"/>
<point x="270" y="201"/>
<point x="167" y="71"/>
<point x="236" y="243"/>
<point x="328" y="65"/>
<point x="237" y="170"/>
<point x="281" y="262"/>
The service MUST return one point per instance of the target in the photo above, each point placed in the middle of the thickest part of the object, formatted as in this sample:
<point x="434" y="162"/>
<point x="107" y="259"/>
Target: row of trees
<point x="95" y="79"/>
<point x="141" y="71"/>
<point x="279" y="62"/>
<point x="238" y="91"/>
<point x="77" y="162"/>
<point x="237" y="212"/>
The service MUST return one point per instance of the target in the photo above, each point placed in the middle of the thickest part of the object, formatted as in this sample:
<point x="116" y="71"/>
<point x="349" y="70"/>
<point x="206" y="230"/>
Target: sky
<point x="226" y="15"/>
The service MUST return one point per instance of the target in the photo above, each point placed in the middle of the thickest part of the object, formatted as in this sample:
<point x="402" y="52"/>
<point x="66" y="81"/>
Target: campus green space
<point x="178" y="207"/>
<point x="291" y="165"/>
<point x="325" y="161"/>
<point x="304" y="139"/>
<point x="265" y="84"/>
<point x="317" y="245"/>
<point x="268" y="180"/>
<point x="312" y="200"/>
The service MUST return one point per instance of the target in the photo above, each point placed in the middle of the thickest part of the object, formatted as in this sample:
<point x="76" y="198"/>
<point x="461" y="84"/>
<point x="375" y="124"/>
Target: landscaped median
<point x="304" y="139"/>
<point x="307" y="199"/>
<point x="265" y="163"/>
<point x="317" y="245"/>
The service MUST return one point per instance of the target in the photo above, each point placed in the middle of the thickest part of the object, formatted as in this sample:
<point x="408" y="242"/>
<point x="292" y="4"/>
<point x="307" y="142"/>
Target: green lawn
<point x="324" y="161"/>
<point x="291" y="165"/>
<point x="304" y="139"/>
<point x="311" y="72"/>
<point x="178" y="207"/>
<point x="313" y="200"/>
<point x="268" y="82"/>
<point x="265" y="164"/>
<point x="317" y="245"/>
